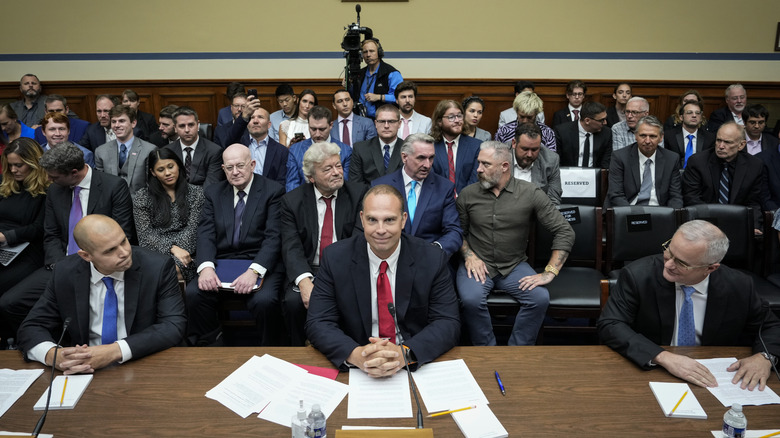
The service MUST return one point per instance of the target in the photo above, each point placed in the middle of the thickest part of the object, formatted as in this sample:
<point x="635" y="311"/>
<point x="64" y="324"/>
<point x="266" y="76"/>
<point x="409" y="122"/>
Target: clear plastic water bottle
<point x="734" y="422"/>
<point x="299" y="422"/>
<point x="316" y="427"/>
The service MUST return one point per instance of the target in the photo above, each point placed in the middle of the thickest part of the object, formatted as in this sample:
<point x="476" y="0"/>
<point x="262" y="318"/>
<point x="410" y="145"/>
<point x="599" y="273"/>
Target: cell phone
<point x="299" y="136"/>
<point x="252" y="92"/>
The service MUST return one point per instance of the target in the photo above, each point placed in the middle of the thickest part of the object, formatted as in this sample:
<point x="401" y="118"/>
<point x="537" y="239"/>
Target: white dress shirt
<point x="699" y="299"/>
<point x="392" y="266"/>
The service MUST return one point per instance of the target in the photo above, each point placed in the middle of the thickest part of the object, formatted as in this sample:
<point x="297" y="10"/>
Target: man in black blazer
<point x="627" y="170"/>
<point x="689" y="132"/>
<point x="589" y="129"/>
<point x="146" y="124"/>
<point x="755" y="117"/>
<point x="148" y="311"/>
<point x="575" y="95"/>
<point x="647" y="309"/>
<point x="167" y="132"/>
<point x="305" y="211"/>
<point x="383" y="259"/>
<point x="368" y="157"/>
<point x="736" y="100"/>
<point x="239" y="221"/>
<point x="202" y="158"/>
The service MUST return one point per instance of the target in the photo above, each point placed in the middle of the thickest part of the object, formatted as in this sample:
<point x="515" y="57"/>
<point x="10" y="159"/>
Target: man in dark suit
<point x="430" y="204"/>
<point x="687" y="297"/>
<point x="202" y="158"/>
<point x="99" y="133"/>
<point x="224" y="135"/>
<point x="142" y="312"/>
<point x="585" y="142"/>
<point x="456" y="155"/>
<point x="575" y="95"/>
<point x="56" y="131"/>
<point x="534" y="163"/>
<point x="736" y="100"/>
<point x="688" y="139"/>
<point x="357" y="128"/>
<point x="381" y="154"/>
<point x="643" y="173"/>
<point x="55" y="103"/>
<point x="755" y="117"/>
<point x="239" y="221"/>
<point x="146" y="124"/>
<point x="310" y="222"/>
<point x="167" y="132"/>
<point x="382" y="266"/>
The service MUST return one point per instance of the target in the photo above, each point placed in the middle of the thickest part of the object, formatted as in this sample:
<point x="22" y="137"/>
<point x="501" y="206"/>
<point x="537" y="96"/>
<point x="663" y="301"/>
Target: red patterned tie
<point x="326" y="237"/>
<point x="451" y="159"/>
<point x="345" y="133"/>
<point x="576" y="114"/>
<point x="383" y="297"/>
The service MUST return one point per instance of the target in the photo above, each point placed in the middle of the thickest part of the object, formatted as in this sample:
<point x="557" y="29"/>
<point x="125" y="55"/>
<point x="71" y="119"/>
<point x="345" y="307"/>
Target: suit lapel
<point x="228" y="216"/>
<point x="111" y="165"/>
<point x="403" y="280"/>
<point x="660" y="162"/>
<point x="633" y="158"/>
<point x="665" y="299"/>
<point x="740" y="169"/>
<point x="395" y="157"/>
<point x="270" y="157"/>
<point x="95" y="190"/>
<point x="342" y="213"/>
<point x="717" y="306"/>
<point x="310" y="210"/>
<point x="252" y="203"/>
<point x="681" y="142"/>
<point x="378" y="155"/>
<point x="132" y="295"/>
<point x="426" y="191"/>
<point x="132" y="160"/>
<point x="82" y="276"/>
<point x="361" y="283"/>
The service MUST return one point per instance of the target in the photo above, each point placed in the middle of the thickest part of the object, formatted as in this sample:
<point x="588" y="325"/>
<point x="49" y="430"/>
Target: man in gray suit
<point x="643" y="173"/>
<point x="536" y="164"/>
<point x="380" y="155"/>
<point x="349" y="128"/>
<point x="126" y="156"/>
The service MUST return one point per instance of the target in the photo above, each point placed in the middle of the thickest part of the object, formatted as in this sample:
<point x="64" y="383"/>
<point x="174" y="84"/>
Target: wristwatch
<point x="551" y="269"/>
<point x="255" y="271"/>
<point x="770" y="357"/>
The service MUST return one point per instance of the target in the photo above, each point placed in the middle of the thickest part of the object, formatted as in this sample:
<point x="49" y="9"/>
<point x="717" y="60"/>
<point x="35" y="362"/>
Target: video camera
<point x="352" y="52"/>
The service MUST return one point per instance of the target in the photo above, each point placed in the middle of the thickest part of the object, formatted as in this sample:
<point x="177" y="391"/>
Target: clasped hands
<point x="752" y="371"/>
<point x="85" y="359"/>
<point x="244" y="284"/>
<point x="379" y="358"/>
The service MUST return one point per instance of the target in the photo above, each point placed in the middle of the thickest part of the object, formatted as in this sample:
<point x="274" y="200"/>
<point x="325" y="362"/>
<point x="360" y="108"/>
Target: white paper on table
<point x="310" y="388"/>
<point x="448" y="385"/>
<point x="13" y="385"/>
<point x="42" y="435"/>
<point x="480" y="422"/>
<point x="748" y="433"/>
<point x="372" y="428"/>
<point x="249" y="388"/>
<point x="729" y="393"/>
<point x="384" y="397"/>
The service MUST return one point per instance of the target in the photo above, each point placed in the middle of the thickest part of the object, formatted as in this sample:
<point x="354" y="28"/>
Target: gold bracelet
<point x="551" y="269"/>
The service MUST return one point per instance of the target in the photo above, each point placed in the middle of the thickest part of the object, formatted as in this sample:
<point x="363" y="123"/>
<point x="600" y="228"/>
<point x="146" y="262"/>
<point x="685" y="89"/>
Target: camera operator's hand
<point x="372" y="97"/>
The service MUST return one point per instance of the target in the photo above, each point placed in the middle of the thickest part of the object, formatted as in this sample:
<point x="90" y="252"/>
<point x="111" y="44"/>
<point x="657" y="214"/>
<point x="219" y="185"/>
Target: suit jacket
<point x="301" y="230"/>
<point x="640" y="313"/>
<point x="568" y="137"/>
<point x="368" y="163"/>
<point x="435" y="218"/>
<point x="77" y="129"/>
<point x="770" y="194"/>
<point x="154" y="310"/>
<point x="275" y="166"/>
<point x="146" y="124"/>
<point x="546" y="174"/>
<point x="675" y="141"/>
<point x="135" y="170"/>
<point x="562" y="116"/>
<point x="719" y="117"/>
<point x="339" y="317"/>
<point x="362" y="129"/>
<point x="157" y="139"/>
<point x="466" y="161"/>
<point x="206" y="162"/>
<point x="260" y="229"/>
<point x="625" y="178"/>
<point x="222" y="135"/>
<point x="95" y="135"/>
<point x="420" y="124"/>
<point x="295" y="176"/>
<point x="108" y="195"/>
<point x="701" y="180"/>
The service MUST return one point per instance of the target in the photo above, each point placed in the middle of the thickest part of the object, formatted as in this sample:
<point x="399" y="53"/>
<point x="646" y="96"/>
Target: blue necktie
<point x="110" y="309"/>
<point x="686" y="327"/>
<point x="688" y="149"/>
<point x="412" y="201"/>
<point x="723" y="189"/>
<point x="643" y="198"/>
<point x="387" y="156"/>
<point x="73" y="219"/>
<point x="122" y="155"/>
<point x="239" y="214"/>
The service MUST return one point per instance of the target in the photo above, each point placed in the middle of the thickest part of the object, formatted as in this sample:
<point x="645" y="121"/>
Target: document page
<point x="73" y="387"/>
<point x="13" y="385"/>
<point x="448" y="385"/>
<point x="729" y="393"/>
<point x="479" y="423"/>
<point x="310" y="388"/>
<point x="384" y="397"/>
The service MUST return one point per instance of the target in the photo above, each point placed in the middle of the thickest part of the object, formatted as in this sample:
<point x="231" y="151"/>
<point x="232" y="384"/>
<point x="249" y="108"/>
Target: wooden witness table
<point x="550" y="391"/>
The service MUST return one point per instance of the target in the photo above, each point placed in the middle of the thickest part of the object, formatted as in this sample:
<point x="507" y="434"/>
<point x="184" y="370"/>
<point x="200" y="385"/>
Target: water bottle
<point x="316" y="427"/>
<point x="734" y="422"/>
<point x="299" y="422"/>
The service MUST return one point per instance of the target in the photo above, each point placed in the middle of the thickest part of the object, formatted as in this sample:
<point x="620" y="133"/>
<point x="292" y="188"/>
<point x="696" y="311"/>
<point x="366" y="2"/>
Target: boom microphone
<point x="391" y="309"/>
<point x="42" y="420"/>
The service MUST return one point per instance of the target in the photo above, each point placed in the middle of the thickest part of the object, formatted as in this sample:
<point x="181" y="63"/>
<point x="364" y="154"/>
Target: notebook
<point x="75" y="388"/>
<point x="229" y="270"/>
<point x="669" y="394"/>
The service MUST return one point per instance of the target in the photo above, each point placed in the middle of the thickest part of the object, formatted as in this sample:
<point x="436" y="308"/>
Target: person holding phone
<point x="297" y="127"/>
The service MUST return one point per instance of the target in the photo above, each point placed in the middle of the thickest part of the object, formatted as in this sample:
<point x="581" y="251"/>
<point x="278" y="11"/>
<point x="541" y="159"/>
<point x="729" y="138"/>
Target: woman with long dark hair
<point x="296" y="128"/>
<point x="472" y="114"/>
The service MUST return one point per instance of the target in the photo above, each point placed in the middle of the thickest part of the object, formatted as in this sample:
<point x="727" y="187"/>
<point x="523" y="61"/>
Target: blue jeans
<point x="473" y="297"/>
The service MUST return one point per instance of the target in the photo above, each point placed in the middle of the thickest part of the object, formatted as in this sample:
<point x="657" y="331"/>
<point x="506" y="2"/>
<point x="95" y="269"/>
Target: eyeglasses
<point x="577" y="94"/>
<point x="230" y="167"/>
<point x="238" y="106"/>
<point x="635" y="113"/>
<point x="601" y="121"/>
<point x="677" y="262"/>
<point x="453" y="117"/>
<point x="387" y="122"/>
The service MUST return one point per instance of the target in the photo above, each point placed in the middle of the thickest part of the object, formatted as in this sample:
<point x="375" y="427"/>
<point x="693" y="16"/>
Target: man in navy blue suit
<point x="430" y="201"/>
<point x="357" y="128"/>
<point x="456" y="155"/>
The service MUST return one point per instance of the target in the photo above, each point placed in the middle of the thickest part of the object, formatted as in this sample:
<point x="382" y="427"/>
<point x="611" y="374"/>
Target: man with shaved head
<point x="123" y="303"/>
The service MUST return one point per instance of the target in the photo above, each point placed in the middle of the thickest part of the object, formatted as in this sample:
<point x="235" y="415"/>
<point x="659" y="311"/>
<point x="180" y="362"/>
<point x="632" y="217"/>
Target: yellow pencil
<point x="64" y="385"/>
<point x="771" y="434"/>
<point x="678" y="404"/>
<point x="449" y="412"/>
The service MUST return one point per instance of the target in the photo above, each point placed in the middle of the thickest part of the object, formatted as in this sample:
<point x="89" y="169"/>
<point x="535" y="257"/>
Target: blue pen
<point x="500" y="385"/>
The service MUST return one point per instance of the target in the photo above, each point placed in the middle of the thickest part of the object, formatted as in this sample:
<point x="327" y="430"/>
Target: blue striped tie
<point x="387" y="156"/>
<point x="723" y="189"/>
<point x="686" y="327"/>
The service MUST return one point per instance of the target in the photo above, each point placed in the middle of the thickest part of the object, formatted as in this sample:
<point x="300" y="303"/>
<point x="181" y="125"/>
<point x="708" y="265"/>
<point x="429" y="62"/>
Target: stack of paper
<point x="13" y="385"/>
<point x="386" y="397"/>
<point x="679" y="395"/>
<point x="448" y="385"/>
<point x="76" y="385"/>
<point x="480" y="422"/>
<point x="729" y="393"/>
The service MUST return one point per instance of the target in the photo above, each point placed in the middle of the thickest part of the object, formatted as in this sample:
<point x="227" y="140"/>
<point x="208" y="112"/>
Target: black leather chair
<point x="635" y="231"/>
<point x="206" y="130"/>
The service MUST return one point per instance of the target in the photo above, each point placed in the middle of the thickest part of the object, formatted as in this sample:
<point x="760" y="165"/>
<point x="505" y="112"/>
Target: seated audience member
<point x="56" y="131"/>
<point x="222" y="132"/>
<point x="623" y="132"/>
<point x="688" y="137"/>
<point x="617" y="113"/>
<point x="296" y="128"/>
<point x="350" y="128"/>
<point x="100" y="133"/>
<point x="575" y="95"/>
<point x="126" y="156"/>
<point x="22" y="198"/>
<point x="145" y="121"/>
<point x="77" y="191"/>
<point x="456" y="154"/>
<point x="225" y="114"/>
<point x="736" y="101"/>
<point x="473" y="107"/>
<point x="412" y="122"/>
<point x="378" y="80"/>
<point x="30" y="108"/>
<point x="383" y="265"/>
<point x="166" y="134"/>
<point x="527" y="107"/>
<point x="55" y="103"/>
<point x="675" y="119"/>
<point x="239" y="221"/>
<point x="494" y="247"/>
<point x="509" y="115"/>
<point x="536" y="164"/>
<point x="430" y="206"/>
<point x="167" y="210"/>
<point x="643" y="173"/>
<point x="319" y="127"/>
<point x="288" y="102"/>
<point x="755" y="117"/>
<point x="311" y="221"/>
<point x="686" y="297"/>
<point x="11" y="126"/>
<point x="585" y="142"/>
<point x="202" y="158"/>
<point x="142" y="312"/>
<point x="381" y="154"/>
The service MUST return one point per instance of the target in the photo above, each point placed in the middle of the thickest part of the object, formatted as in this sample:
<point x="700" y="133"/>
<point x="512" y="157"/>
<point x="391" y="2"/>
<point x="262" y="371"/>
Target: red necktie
<point x="326" y="237"/>
<point x="576" y="114"/>
<point x="451" y="159"/>
<point x="345" y="133"/>
<point x="383" y="297"/>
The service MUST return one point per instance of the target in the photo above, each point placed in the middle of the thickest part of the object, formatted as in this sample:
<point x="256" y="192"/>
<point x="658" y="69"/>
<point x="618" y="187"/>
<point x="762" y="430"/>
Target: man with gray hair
<point x="494" y="246"/>
<point x="736" y="101"/>
<point x="313" y="216"/>
<point x="685" y="297"/>
<point x="623" y="132"/>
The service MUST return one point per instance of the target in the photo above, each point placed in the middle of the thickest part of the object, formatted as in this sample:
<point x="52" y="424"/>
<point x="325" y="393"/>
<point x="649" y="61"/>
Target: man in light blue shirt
<point x="287" y="100"/>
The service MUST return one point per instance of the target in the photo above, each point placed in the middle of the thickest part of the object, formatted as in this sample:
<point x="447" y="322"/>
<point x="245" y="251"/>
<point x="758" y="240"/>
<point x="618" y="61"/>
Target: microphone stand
<point x="42" y="420"/>
<point x="391" y="309"/>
